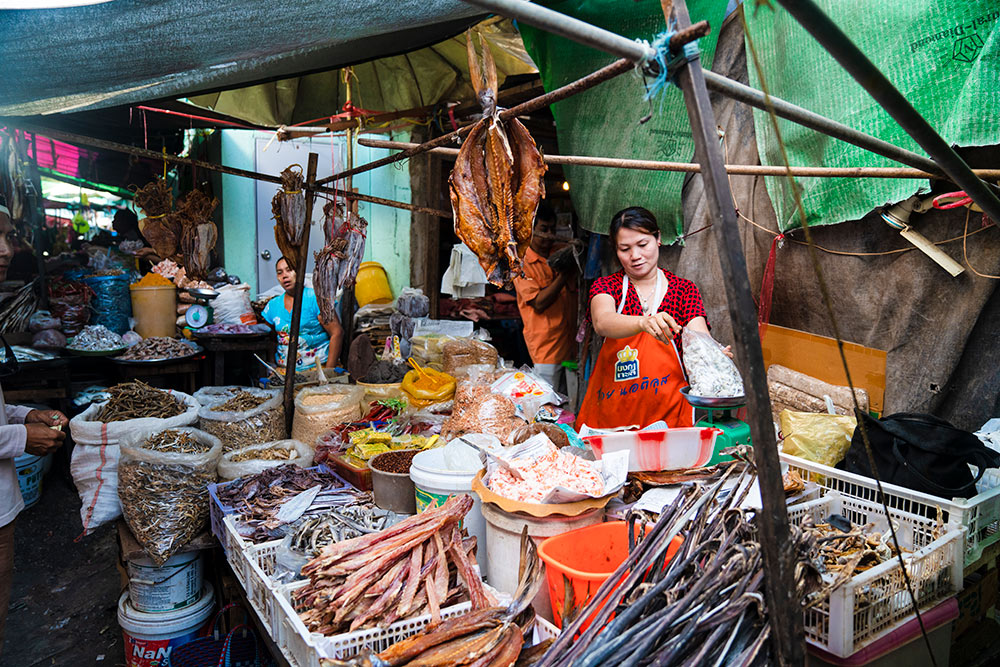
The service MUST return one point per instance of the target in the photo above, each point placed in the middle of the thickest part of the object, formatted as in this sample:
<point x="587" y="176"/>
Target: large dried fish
<point x="496" y="184"/>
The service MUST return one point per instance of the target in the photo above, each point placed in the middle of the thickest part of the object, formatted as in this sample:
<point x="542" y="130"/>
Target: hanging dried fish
<point x="198" y="234"/>
<point x="287" y="249"/>
<point x="326" y="276"/>
<point x="161" y="227"/>
<point x="353" y="231"/>
<point x="496" y="184"/>
<point x="293" y="204"/>
<point x="17" y="310"/>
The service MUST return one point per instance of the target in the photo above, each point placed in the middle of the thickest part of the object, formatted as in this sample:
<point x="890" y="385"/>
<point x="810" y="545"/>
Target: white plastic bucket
<point x="30" y="470"/>
<point x="434" y="483"/>
<point x="503" y="545"/>
<point x="149" y="638"/>
<point x="174" y="586"/>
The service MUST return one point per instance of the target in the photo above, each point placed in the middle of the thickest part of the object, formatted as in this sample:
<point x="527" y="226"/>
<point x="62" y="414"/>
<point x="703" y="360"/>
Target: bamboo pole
<point x="694" y="168"/>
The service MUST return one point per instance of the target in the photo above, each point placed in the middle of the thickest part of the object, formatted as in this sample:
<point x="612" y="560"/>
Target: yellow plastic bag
<point x="816" y="437"/>
<point x="426" y="386"/>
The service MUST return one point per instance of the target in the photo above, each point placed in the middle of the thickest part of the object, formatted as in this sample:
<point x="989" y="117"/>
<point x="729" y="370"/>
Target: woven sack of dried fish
<point x="318" y="409"/>
<point x="163" y="487"/>
<point x="241" y="416"/>
<point x="460" y="352"/>
<point x="94" y="465"/>
<point x="254" y="459"/>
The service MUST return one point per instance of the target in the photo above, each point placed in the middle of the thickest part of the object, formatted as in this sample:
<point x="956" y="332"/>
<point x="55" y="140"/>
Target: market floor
<point x="63" y="606"/>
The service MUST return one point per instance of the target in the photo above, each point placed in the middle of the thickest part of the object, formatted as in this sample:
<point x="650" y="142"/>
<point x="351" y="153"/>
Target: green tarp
<point x="944" y="56"/>
<point x="604" y="121"/>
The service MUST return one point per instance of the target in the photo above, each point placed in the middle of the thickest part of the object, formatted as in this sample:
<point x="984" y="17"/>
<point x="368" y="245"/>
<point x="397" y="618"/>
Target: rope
<point x="828" y="304"/>
<point x="965" y="252"/>
<point x="667" y="62"/>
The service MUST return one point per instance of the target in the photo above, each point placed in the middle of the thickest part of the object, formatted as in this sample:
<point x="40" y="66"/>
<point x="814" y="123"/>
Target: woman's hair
<point x="636" y="218"/>
<point x="286" y="261"/>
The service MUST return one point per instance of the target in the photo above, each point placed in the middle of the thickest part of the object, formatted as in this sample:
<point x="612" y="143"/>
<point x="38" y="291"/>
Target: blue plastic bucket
<point x="30" y="469"/>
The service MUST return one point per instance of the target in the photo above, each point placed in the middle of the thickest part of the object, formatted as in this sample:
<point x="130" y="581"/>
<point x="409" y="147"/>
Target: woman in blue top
<point x="317" y="340"/>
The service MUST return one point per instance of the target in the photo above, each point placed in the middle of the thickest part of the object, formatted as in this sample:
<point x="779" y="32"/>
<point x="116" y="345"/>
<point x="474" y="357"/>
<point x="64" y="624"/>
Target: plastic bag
<point x="427" y="386"/>
<point x="48" y="339"/>
<point x="464" y="351"/>
<point x="238" y="428"/>
<point x="232" y="306"/>
<point x="429" y="349"/>
<point x="478" y="410"/>
<point x="710" y="372"/>
<point x="318" y="409"/>
<point x="112" y="302"/>
<point x="42" y="320"/>
<point x="230" y="469"/>
<point x="164" y="495"/>
<point x="527" y="391"/>
<point x="401" y="325"/>
<point x="413" y="303"/>
<point x="817" y="437"/>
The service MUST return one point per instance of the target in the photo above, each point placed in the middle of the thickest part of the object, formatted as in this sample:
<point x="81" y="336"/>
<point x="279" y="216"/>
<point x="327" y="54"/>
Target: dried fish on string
<point x="163" y="491"/>
<point x="326" y="277"/>
<point x="420" y="563"/>
<point x="160" y="227"/>
<point x="156" y="349"/>
<point x="199" y="233"/>
<point x="496" y="184"/>
<point x="137" y="400"/>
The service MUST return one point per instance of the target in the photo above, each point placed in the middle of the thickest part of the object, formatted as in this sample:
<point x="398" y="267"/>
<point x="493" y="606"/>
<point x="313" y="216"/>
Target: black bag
<point x="921" y="452"/>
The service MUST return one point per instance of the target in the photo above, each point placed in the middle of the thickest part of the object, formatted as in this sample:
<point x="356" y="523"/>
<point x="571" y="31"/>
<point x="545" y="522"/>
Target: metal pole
<point x="785" y="614"/>
<point x="850" y="57"/>
<point x="300" y="279"/>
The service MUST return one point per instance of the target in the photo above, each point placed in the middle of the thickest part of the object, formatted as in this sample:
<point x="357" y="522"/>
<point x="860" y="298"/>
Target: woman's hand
<point x="659" y="325"/>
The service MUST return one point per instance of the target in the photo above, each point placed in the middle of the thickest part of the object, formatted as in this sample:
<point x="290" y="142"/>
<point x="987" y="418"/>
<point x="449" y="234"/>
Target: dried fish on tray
<point x="496" y="184"/>
<point x="421" y="563"/>
<point x="157" y="348"/>
<point x="163" y="483"/>
<point x="137" y="400"/>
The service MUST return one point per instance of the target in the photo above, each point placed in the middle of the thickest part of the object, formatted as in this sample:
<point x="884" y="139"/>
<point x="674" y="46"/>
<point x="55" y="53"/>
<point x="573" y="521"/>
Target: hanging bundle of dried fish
<point x="161" y="227"/>
<point x="496" y="184"/>
<point x="136" y="400"/>
<point x="288" y="250"/>
<point x="17" y="310"/>
<point x="326" y="276"/>
<point x="163" y="487"/>
<point x="13" y="158"/>
<point x="292" y="204"/>
<point x="420" y="563"/>
<point x="199" y="233"/>
<point x="352" y="229"/>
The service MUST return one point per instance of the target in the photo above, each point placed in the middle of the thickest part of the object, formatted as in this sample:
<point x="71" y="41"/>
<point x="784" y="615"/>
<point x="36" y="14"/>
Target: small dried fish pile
<point x="135" y="400"/>
<point x="704" y="607"/>
<point x="421" y="563"/>
<point x="288" y="207"/>
<point x="478" y="410"/>
<point x="336" y="525"/>
<point x="241" y="402"/>
<point x="846" y="548"/>
<point x="177" y="442"/>
<point x="94" y="338"/>
<point x="267" y="454"/>
<point x="157" y="348"/>
<point x="496" y="184"/>
<point x="17" y="310"/>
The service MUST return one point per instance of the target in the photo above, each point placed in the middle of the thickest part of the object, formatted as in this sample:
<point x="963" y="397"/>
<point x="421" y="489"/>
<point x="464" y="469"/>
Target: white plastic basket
<point x="875" y="602"/>
<point x="258" y="567"/>
<point x="980" y="515"/>
<point x="307" y="648"/>
<point x="235" y="548"/>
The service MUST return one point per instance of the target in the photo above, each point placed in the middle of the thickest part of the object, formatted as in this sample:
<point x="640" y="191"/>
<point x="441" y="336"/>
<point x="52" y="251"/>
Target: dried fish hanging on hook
<point x="326" y="276"/>
<point x="199" y="234"/>
<point x="161" y="227"/>
<point x="496" y="184"/>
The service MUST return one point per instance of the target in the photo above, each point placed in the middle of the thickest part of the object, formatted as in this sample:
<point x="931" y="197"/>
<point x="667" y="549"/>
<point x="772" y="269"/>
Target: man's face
<point x="6" y="244"/>
<point x="286" y="276"/>
<point x="543" y="236"/>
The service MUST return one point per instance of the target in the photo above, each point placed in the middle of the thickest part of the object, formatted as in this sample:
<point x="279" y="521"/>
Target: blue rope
<point x="667" y="62"/>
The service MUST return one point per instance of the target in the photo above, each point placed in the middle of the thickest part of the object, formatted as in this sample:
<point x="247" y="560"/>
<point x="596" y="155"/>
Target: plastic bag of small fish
<point x="253" y="459"/>
<point x="710" y="372"/>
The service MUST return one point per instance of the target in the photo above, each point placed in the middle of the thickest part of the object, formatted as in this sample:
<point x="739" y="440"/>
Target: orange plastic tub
<point x="585" y="558"/>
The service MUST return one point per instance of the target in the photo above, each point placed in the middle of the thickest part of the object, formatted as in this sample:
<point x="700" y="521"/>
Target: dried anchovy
<point x="265" y="426"/>
<point x="95" y="337"/>
<point x="156" y="348"/>
<point x="268" y="454"/>
<point x="241" y="402"/>
<point x="176" y="442"/>
<point x="314" y="532"/>
<point x="136" y="400"/>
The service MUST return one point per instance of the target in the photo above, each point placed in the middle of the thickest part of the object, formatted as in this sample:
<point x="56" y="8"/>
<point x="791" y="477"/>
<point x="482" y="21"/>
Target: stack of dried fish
<point x="17" y="310"/>
<point x="136" y="400"/>
<point x="705" y="607"/>
<point x="421" y="563"/>
<point x="157" y="348"/>
<point x="496" y="184"/>
<point x="198" y="233"/>
<point x="288" y="207"/>
<point x="847" y="548"/>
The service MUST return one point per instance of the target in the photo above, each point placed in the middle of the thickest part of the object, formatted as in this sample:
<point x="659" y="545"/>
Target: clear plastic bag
<point x="526" y="390"/>
<point x="460" y="352"/>
<point x="318" y="409"/>
<point x="48" y="339"/>
<point x="479" y="410"/>
<point x="429" y="348"/>
<point x="164" y="495"/>
<point x="413" y="303"/>
<point x="41" y="320"/>
<point x="264" y="422"/>
<point x="232" y="469"/>
<point x="710" y="372"/>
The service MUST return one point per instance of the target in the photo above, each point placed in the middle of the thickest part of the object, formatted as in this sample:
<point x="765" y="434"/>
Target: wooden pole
<point x="785" y="614"/>
<point x="300" y="278"/>
<point x="694" y="168"/>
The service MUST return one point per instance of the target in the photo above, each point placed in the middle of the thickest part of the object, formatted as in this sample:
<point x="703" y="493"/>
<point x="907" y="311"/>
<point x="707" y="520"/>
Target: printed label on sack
<point x="627" y="367"/>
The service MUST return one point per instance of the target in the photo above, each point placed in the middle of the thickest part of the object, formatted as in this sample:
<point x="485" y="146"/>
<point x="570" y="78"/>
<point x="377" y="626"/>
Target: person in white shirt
<point x="22" y="430"/>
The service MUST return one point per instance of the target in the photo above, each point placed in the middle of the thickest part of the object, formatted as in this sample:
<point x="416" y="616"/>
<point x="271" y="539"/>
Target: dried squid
<point x="496" y="184"/>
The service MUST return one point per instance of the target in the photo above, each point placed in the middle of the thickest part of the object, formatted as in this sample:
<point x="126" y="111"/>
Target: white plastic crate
<point x="236" y="548"/>
<point x="307" y="648"/>
<point x="980" y="515"/>
<point x="259" y="566"/>
<point x="875" y="602"/>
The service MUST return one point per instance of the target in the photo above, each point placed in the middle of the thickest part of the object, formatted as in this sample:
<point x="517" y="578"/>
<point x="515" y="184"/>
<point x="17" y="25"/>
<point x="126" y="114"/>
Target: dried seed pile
<point x="177" y="442"/>
<point x="419" y="565"/>
<point x="268" y="454"/>
<point x="156" y="348"/>
<point x="136" y="400"/>
<point x="395" y="462"/>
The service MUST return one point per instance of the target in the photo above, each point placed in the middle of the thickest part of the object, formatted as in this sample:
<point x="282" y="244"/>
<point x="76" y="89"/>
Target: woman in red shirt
<point x="639" y="311"/>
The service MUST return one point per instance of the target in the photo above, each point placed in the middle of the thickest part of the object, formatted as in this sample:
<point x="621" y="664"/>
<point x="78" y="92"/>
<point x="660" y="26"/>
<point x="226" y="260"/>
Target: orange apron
<point x="636" y="381"/>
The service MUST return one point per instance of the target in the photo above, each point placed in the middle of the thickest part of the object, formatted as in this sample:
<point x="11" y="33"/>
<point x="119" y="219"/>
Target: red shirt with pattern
<point x="682" y="300"/>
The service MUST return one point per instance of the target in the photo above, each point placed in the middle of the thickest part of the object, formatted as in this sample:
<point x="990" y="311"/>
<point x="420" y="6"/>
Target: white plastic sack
<point x="710" y="372"/>
<point x="264" y="423"/>
<point x="94" y="465"/>
<point x="230" y="470"/>
<point x="232" y="306"/>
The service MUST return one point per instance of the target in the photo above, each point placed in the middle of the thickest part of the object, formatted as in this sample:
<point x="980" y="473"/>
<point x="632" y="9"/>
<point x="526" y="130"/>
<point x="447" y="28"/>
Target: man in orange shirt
<point x="547" y="301"/>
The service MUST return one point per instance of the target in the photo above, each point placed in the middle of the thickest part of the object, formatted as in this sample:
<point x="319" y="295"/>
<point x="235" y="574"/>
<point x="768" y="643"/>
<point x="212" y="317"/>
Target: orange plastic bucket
<point x="585" y="558"/>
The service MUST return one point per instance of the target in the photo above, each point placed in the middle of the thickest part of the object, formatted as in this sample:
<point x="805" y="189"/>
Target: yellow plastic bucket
<point x="372" y="285"/>
<point x="155" y="310"/>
